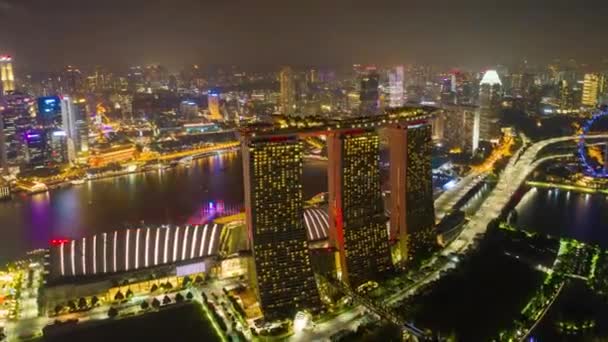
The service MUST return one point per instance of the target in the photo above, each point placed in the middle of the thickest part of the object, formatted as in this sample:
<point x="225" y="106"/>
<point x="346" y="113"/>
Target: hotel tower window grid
<point x="358" y="213"/>
<point x="420" y="212"/>
<point x="283" y="276"/>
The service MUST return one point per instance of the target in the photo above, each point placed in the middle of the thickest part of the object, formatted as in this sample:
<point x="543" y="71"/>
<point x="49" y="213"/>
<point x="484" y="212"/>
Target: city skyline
<point x="303" y="171"/>
<point x="468" y="34"/>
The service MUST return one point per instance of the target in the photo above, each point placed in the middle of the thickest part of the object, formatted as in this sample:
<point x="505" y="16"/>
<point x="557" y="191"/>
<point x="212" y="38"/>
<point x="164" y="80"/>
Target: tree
<point x="168" y="286"/>
<point x="179" y="298"/>
<point x="186" y="281"/>
<point x="156" y="303"/>
<point x="166" y="300"/>
<point x="189" y="295"/>
<point x="129" y="293"/>
<point x="154" y="288"/>
<point x="198" y="279"/>
<point x="119" y="296"/>
<point x="72" y="305"/>
<point x="82" y="303"/>
<point x="58" y="309"/>
<point x="113" y="312"/>
<point x="144" y="305"/>
<point x="94" y="301"/>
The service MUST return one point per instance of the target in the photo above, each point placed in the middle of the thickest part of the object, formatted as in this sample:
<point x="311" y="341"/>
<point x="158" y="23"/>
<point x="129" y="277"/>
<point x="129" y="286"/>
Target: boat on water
<point x="77" y="181"/>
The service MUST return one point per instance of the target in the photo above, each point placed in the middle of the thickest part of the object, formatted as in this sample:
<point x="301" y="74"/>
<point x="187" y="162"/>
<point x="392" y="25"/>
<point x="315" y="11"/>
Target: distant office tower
<point x="565" y="96"/>
<point x="288" y="91"/>
<point x="7" y="78"/>
<point x="3" y="147"/>
<point x="58" y="146"/>
<point x="412" y="208"/>
<point x="68" y="121"/>
<point x="438" y="124"/>
<point x="82" y="125"/>
<point x="369" y="94"/>
<point x="282" y="277"/>
<point x="490" y="93"/>
<point x="213" y="102"/>
<point x="35" y="145"/>
<point x="72" y="80"/>
<point x="592" y="89"/>
<point x="49" y="111"/>
<point x="188" y="109"/>
<point x="395" y="87"/>
<point x="459" y="127"/>
<point x="75" y="124"/>
<point x="357" y="221"/>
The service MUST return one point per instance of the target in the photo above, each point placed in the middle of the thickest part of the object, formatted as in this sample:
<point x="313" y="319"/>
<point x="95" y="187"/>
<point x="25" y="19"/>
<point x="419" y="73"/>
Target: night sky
<point x="470" y="33"/>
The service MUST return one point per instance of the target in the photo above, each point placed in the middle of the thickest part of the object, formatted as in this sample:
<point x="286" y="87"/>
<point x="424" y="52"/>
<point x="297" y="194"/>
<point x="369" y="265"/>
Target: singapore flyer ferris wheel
<point x="590" y="165"/>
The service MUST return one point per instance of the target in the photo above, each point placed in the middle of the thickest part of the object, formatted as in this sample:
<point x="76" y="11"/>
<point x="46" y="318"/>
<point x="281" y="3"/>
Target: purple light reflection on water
<point x="173" y="196"/>
<point x="39" y="212"/>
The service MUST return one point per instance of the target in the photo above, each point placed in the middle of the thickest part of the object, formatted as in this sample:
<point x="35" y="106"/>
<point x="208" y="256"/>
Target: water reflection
<point x="172" y="196"/>
<point x="576" y="215"/>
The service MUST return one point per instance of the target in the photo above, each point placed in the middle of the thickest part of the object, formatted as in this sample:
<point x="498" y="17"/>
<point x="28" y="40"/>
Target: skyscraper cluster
<point x="282" y="275"/>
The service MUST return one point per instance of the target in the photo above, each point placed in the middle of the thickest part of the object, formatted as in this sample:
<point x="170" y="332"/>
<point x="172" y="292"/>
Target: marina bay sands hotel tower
<point x="282" y="275"/>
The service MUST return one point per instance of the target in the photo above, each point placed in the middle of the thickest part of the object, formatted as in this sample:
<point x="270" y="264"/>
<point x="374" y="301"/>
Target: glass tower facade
<point x="282" y="274"/>
<point x="358" y="223"/>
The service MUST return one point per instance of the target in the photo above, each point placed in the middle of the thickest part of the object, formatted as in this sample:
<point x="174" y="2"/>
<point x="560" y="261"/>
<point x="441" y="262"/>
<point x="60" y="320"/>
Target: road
<point x="32" y="325"/>
<point x="510" y="180"/>
<point x="348" y="320"/>
<point x="515" y="173"/>
<point x="446" y="201"/>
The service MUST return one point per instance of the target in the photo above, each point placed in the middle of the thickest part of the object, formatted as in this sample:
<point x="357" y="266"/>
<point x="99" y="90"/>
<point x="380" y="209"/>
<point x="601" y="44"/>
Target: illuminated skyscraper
<point x="71" y="80"/>
<point x="288" y="91"/>
<point x="74" y="119"/>
<point x="213" y="102"/>
<point x="490" y="93"/>
<point x="395" y="84"/>
<point x="282" y="275"/>
<point x="3" y="147"/>
<point x="357" y="220"/>
<point x="592" y="89"/>
<point x="7" y="78"/>
<point x="412" y="208"/>
<point x="68" y="121"/>
<point x="369" y="94"/>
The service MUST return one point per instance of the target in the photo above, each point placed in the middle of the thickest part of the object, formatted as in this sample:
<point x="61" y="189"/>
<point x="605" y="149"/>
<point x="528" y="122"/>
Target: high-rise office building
<point x="369" y="94"/>
<point x="188" y="109"/>
<point x="357" y="220"/>
<point x="7" y="78"/>
<point x="74" y="118"/>
<point x="288" y="91"/>
<point x="459" y="127"/>
<point x="593" y="85"/>
<point x="82" y="125"/>
<point x="282" y="274"/>
<point x="58" y="146"/>
<point x="68" y="121"/>
<point x="3" y="147"/>
<point x="490" y="94"/>
<point x="49" y="111"/>
<point x="412" y="207"/>
<point x="395" y="87"/>
<point x="213" y="103"/>
<point x="71" y="80"/>
<point x="35" y="145"/>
